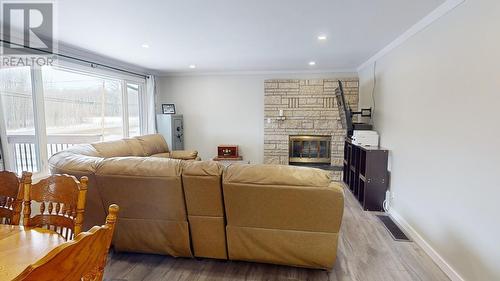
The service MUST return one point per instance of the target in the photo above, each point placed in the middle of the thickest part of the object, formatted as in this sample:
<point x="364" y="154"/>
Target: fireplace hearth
<point x="309" y="150"/>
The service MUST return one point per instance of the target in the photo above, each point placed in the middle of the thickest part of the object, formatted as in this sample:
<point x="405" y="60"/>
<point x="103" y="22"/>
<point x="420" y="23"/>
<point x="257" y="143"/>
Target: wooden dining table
<point x="21" y="247"/>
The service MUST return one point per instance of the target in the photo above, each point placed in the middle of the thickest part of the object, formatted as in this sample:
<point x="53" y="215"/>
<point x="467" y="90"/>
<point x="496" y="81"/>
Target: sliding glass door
<point x="48" y="109"/>
<point x="19" y="119"/>
<point x="134" y="108"/>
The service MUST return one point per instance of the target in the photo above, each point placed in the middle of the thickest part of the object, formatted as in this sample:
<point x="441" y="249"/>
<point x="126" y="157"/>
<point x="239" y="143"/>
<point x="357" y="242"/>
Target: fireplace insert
<point x="309" y="149"/>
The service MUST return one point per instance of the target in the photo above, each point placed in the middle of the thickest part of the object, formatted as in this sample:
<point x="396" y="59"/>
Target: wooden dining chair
<point x="62" y="203"/>
<point x="10" y="198"/>
<point x="81" y="259"/>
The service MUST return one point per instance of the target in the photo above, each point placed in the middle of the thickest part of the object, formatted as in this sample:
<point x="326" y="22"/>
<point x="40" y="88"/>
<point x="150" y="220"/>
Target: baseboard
<point x="415" y="236"/>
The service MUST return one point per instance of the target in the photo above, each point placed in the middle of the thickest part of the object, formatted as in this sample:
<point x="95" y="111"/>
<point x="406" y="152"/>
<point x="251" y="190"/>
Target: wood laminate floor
<point x="366" y="253"/>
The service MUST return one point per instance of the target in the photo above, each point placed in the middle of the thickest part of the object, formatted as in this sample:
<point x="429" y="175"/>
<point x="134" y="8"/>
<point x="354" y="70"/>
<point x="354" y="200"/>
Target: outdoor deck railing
<point x="24" y="149"/>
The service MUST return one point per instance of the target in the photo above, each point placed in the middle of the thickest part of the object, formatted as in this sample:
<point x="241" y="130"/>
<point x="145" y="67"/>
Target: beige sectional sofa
<point x="265" y="213"/>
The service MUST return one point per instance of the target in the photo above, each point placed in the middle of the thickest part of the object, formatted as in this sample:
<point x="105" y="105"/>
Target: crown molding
<point x="439" y="12"/>
<point x="259" y="72"/>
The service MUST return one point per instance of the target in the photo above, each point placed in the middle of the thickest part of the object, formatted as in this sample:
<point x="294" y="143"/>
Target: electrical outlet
<point x="387" y="201"/>
<point x="388" y="195"/>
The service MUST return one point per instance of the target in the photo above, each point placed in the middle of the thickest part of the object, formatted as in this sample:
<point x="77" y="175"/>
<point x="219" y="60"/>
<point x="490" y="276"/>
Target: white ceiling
<point x="236" y="35"/>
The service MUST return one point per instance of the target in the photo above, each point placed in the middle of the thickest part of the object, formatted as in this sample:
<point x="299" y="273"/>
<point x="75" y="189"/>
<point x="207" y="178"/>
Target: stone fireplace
<point x="298" y="110"/>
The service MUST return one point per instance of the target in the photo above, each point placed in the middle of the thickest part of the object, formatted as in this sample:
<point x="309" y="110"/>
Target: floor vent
<point x="393" y="229"/>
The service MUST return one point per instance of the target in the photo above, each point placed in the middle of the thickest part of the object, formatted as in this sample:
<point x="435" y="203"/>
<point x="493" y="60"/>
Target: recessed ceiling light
<point x="192" y="66"/>
<point x="311" y="63"/>
<point x="322" y="37"/>
<point x="145" y="46"/>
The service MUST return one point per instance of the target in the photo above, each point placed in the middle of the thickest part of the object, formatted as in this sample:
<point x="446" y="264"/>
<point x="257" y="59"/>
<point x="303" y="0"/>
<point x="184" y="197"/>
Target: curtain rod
<point x="92" y="64"/>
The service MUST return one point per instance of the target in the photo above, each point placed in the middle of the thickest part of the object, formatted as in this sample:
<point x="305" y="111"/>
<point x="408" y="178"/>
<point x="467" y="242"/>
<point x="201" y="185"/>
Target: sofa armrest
<point x="184" y="154"/>
<point x="338" y="202"/>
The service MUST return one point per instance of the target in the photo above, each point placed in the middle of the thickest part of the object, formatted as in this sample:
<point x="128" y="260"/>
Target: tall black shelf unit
<point x="366" y="175"/>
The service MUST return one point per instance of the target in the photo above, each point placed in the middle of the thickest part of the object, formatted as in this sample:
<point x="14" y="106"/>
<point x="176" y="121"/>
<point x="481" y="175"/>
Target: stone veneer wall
<point x="310" y="108"/>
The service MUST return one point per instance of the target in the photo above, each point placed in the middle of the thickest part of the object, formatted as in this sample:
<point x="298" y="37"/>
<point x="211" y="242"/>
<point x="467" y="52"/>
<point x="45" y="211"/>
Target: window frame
<point x="142" y="118"/>
<point x="6" y="151"/>
<point x="37" y="89"/>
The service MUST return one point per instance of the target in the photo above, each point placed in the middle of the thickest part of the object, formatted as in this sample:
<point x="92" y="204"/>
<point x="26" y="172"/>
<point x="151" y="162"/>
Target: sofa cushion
<point x="108" y="149"/>
<point x="153" y="144"/>
<point x="70" y="162"/>
<point x="202" y="188"/>
<point x="201" y="168"/>
<point x="184" y="154"/>
<point x="276" y="175"/>
<point x="140" y="166"/>
<point x="84" y="149"/>
<point x="161" y="155"/>
<point x="135" y="147"/>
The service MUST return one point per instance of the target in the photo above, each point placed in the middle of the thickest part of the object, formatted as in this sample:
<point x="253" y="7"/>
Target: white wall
<point x="437" y="110"/>
<point x="224" y="109"/>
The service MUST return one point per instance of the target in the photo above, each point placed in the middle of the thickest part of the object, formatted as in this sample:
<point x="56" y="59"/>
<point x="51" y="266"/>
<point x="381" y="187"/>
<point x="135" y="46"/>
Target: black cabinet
<point x="365" y="173"/>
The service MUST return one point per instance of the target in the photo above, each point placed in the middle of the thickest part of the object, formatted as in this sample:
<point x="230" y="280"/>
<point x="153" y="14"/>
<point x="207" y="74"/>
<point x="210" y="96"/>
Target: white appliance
<point x="365" y="138"/>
